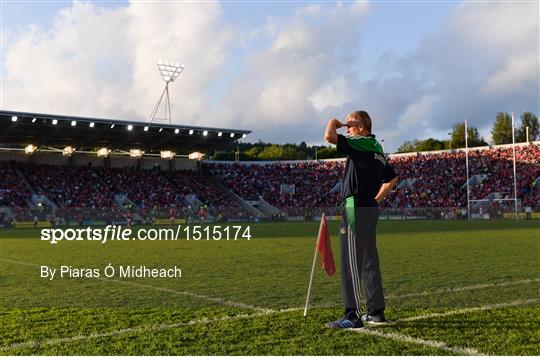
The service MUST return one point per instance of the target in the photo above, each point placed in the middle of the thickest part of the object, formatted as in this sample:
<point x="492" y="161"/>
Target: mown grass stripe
<point x="162" y="327"/>
<point x="217" y="300"/>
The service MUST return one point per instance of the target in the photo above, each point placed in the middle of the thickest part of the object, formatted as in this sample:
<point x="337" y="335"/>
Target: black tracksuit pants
<point x="360" y="261"/>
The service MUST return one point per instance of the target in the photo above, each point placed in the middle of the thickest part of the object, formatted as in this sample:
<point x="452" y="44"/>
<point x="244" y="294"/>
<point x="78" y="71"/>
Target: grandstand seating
<point x="13" y="192"/>
<point x="438" y="180"/>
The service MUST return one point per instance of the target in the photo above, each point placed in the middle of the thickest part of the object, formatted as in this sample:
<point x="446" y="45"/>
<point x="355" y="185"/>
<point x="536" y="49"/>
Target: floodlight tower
<point x="169" y="72"/>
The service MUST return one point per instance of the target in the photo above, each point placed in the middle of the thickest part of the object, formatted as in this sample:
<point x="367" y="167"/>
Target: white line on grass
<point x="465" y="288"/>
<point x="418" y="341"/>
<point x="138" y="329"/>
<point x="162" y="327"/>
<point x="217" y="300"/>
<point x="469" y="309"/>
<point x="447" y="290"/>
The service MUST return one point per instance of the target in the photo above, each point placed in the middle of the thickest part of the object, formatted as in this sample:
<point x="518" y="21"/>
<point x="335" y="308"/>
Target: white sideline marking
<point x="465" y="288"/>
<point x="162" y="327"/>
<point x="220" y="301"/>
<point x="143" y="328"/>
<point x="418" y="341"/>
<point x="469" y="309"/>
<point x="447" y="290"/>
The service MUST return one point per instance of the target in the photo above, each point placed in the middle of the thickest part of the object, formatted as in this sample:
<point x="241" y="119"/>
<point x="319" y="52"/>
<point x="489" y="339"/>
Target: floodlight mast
<point x="169" y="72"/>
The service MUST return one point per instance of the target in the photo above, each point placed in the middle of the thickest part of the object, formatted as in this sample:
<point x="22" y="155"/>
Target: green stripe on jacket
<point x="365" y="143"/>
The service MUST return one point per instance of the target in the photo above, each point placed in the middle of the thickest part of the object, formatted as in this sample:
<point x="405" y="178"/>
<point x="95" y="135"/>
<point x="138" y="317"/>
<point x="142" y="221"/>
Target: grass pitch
<point x="452" y="288"/>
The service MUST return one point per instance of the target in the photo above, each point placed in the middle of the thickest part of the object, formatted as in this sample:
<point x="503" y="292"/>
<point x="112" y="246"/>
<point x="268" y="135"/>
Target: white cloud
<point x="332" y="94"/>
<point x="304" y="71"/>
<point x="98" y="61"/>
<point x="297" y="71"/>
<point x="515" y="76"/>
<point x="484" y="60"/>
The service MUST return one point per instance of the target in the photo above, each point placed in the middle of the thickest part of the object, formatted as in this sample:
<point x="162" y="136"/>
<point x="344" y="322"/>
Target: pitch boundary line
<point x="162" y="327"/>
<point x="465" y="288"/>
<point x="418" y="341"/>
<point x="222" y="301"/>
<point x="217" y="300"/>
<point x="447" y="290"/>
<point x="469" y="309"/>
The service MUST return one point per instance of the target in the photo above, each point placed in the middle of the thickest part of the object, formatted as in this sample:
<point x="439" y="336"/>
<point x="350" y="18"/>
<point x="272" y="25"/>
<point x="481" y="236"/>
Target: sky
<point x="281" y="69"/>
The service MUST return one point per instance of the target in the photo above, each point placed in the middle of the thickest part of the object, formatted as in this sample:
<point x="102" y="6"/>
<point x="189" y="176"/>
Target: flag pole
<point x="313" y="267"/>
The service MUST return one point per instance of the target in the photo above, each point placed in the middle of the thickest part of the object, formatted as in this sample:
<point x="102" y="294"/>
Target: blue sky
<point x="281" y="69"/>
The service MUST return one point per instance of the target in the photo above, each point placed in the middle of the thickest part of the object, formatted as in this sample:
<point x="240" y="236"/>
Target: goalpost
<point x="488" y="208"/>
<point x="515" y="199"/>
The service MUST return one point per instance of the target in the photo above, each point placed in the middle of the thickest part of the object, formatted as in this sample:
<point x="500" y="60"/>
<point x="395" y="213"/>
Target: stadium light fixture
<point x="103" y="152"/>
<point x="219" y="134"/>
<point x="176" y="131"/>
<point x="14" y="118"/>
<point x="205" y="132"/>
<point x="167" y="154"/>
<point x="54" y="122"/>
<point x="169" y="72"/>
<point x="136" y="153"/>
<point x="244" y="136"/>
<point x="191" y="132"/>
<point x="73" y="122"/>
<point x="196" y="155"/>
<point x="68" y="150"/>
<point x="92" y="124"/>
<point x="232" y="135"/>
<point x="34" y="120"/>
<point x="145" y="128"/>
<point x="30" y="149"/>
<point x="112" y="126"/>
<point x="130" y="127"/>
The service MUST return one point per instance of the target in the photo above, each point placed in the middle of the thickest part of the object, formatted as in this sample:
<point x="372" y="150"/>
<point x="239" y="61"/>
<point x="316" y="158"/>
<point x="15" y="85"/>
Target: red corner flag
<point x="325" y="248"/>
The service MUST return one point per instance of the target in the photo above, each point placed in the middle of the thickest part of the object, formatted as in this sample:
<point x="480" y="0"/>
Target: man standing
<point x="367" y="179"/>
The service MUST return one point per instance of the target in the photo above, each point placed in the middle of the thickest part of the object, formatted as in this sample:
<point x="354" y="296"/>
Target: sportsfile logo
<point x="120" y="233"/>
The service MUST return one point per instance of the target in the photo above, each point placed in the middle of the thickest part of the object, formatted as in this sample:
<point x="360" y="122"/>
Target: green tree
<point x="530" y="120"/>
<point x="327" y="153"/>
<point x="430" y="145"/>
<point x="408" y="146"/>
<point x="501" y="133"/>
<point x="458" y="137"/>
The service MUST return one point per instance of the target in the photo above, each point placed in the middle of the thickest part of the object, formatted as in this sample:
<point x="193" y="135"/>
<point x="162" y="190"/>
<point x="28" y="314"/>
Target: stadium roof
<point x="18" y="129"/>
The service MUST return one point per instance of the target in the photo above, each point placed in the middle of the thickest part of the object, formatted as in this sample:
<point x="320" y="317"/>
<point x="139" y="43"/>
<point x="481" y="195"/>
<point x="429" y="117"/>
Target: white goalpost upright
<point x="467" y="169"/>
<point x="515" y="198"/>
<point x="514" y="164"/>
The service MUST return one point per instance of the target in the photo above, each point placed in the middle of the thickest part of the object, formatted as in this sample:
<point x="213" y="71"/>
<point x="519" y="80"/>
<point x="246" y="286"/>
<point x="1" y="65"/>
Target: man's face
<point x="353" y="127"/>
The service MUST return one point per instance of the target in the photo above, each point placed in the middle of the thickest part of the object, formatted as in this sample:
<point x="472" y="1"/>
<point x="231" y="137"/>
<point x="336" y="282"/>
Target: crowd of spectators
<point x="435" y="180"/>
<point x="303" y="188"/>
<point x="216" y="201"/>
<point x="68" y="186"/>
<point x="307" y="185"/>
<point x="82" y="192"/>
<point x="13" y="191"/>
<point x="145" y="188"/>
<point x="497" y="166"/>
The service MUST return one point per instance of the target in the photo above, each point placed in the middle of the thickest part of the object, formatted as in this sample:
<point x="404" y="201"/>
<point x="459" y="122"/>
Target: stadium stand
<point x="434" y="180"/>
<point x="13" y="192"/>
<point x="85" y="188"/>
